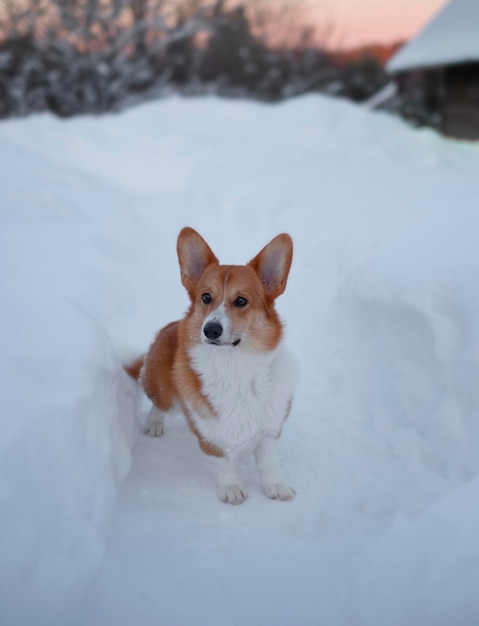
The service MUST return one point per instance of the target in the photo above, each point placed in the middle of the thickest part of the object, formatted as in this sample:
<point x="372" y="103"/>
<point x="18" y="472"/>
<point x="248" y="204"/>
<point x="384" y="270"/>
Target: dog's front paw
<point x="279" y="491"/>
<point x="232" y="494"/>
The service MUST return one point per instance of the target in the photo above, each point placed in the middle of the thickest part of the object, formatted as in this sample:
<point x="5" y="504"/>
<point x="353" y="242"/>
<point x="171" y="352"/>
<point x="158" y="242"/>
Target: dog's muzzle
<point x="213" y="331"/>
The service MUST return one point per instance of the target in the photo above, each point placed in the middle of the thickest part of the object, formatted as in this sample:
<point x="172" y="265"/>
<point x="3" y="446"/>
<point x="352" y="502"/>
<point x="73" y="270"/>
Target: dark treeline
<point x="92" y="56"/>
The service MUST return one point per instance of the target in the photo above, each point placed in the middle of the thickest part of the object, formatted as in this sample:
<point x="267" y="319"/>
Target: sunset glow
<point x="359" y="22"/>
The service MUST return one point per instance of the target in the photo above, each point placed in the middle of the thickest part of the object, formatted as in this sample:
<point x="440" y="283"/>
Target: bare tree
<point x="290" y="24"/>
<point x="21" y="18"/>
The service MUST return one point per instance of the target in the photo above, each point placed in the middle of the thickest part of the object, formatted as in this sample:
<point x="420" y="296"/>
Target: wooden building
<point x="439" y="68"/>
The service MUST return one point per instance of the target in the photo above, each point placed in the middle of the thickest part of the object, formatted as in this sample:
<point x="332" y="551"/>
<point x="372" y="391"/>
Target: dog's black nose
<point x="213" y="330"/>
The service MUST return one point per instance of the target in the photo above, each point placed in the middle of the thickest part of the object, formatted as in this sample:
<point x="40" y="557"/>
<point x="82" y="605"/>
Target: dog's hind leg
<point x="155" y="425"/>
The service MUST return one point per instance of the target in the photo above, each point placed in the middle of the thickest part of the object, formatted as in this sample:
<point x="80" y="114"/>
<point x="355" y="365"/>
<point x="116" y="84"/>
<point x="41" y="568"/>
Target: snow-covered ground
<point x="101" y="525"/>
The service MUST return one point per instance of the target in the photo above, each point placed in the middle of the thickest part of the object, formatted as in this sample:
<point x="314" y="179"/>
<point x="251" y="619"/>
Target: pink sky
<point x="376" y="21"/>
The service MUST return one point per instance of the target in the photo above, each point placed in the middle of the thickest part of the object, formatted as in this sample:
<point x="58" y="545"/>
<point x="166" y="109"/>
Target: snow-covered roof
<point x="452" y="36"/>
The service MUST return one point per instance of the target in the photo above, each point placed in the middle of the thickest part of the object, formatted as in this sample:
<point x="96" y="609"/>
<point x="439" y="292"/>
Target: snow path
<point x="382" y="311"/>
<point x="171" y="534"/>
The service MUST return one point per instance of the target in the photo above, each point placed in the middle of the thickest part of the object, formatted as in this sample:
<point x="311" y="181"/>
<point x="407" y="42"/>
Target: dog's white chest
<point x="250" y="394"/>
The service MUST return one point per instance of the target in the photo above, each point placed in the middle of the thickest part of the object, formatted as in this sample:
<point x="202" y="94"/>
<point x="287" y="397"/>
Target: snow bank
<point x="381" y="310"/>
<point x="68" y="414"/>
<point x="424" y="571"/>
<point x="404" y="320"/>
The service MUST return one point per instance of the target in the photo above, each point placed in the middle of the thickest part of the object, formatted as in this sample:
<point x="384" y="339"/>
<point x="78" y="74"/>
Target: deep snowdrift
<point x="381" y="310"/>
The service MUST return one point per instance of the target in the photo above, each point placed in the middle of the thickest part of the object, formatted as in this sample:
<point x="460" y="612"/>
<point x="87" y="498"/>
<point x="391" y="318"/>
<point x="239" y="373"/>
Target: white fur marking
<point x="250" y="394"/>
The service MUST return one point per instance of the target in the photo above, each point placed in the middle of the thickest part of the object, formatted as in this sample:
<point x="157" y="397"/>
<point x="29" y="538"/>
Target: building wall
<point x="460" y="101"/>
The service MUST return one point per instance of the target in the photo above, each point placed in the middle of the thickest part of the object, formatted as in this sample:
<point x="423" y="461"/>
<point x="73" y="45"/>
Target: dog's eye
<point x="240" y="302"/>
<point x="206" y="298"/>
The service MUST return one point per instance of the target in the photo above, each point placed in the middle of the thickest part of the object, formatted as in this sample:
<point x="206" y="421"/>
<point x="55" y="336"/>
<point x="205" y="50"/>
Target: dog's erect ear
<point x="273" y="263"/>
<point x="194" y="256"/>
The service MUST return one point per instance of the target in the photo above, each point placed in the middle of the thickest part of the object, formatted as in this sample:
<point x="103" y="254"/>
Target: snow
<point x="385" y="94"/>
<point x="434" y="562"/>
<point x="450" y="37"/>
<point x="100" y="524"/>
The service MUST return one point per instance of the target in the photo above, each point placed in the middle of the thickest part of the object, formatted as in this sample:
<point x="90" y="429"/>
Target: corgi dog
<point x="225" y="363"/>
